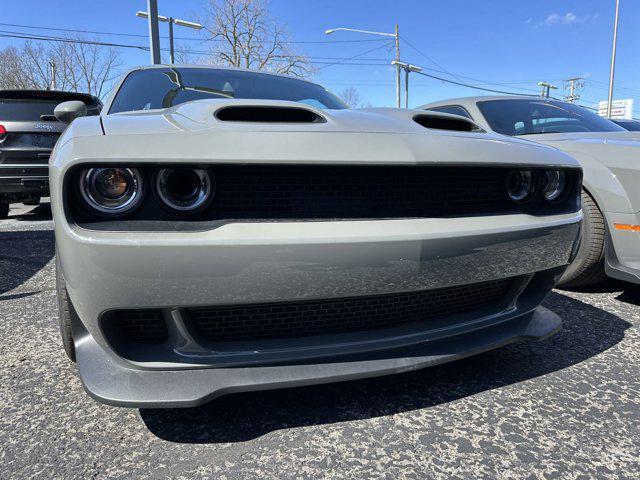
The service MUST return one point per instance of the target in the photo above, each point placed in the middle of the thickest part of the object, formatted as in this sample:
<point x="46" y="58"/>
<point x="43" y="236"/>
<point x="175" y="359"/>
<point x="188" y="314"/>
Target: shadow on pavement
<point x="587" y="331"/>
<point x="23" y="254"/>
<point x="630" y="292"/>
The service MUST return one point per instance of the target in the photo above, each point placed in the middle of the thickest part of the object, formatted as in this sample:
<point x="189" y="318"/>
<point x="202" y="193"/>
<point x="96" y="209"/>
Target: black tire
<point x="31" y="201"/>
<point x="588" y="266"/>
<point x="4" y="209"/>
<point x="66" y="313"/>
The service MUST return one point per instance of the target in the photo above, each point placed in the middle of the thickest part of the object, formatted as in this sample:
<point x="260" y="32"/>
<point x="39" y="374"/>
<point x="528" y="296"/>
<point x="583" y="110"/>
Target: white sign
<point x="620" y="109"/>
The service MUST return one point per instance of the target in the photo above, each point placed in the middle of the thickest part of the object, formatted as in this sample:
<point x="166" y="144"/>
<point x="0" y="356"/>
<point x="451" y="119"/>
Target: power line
<point x="457" y="76"/>
<point x="135" y="35"/>
<point x="342" y="62"/>
<point x="312" y="60"/>
<point x="472" y="86"/>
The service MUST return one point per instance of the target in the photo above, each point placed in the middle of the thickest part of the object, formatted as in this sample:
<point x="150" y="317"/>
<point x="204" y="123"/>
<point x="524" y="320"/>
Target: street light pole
<point x="396" y="35"/>
<point x="172" y="57"/>
<point x="53" y="75"/>
<point x="171" y="21"/>
<point x="613" y="60"/>
<point x="154" y="36"/>
<point x="398" y="68"/>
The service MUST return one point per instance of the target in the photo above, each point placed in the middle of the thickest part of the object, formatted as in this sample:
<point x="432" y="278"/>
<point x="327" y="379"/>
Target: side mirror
<point x="66" y="112"/>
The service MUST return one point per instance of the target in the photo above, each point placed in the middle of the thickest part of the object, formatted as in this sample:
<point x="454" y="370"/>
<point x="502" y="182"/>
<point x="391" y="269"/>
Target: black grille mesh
<point x="339" y="315"/>
<point x="320" y="192"/>
<point x="144" y="326"/>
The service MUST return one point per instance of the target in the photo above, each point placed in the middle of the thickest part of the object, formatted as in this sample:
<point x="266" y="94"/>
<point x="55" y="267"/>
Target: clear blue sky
<point x="513" y="43"/>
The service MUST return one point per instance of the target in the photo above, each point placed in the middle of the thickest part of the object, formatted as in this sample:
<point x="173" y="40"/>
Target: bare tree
<point x="80" y="66"/>
<point x="351" y="96"/>
<point x="87" y="67"/>
<point x="243" y="34"/>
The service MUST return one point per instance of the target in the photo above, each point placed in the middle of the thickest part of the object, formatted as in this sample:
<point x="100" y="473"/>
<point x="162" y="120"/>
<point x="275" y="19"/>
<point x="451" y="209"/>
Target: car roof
<point x="465" y="101"/>
<point x="214" y="67"/>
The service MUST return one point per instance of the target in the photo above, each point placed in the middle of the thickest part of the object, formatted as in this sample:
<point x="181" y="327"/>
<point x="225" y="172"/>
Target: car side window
<point x="453" y="109"/>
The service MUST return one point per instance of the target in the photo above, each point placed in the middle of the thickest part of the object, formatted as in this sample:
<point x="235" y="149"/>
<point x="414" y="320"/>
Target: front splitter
<point x="111" y="382"/>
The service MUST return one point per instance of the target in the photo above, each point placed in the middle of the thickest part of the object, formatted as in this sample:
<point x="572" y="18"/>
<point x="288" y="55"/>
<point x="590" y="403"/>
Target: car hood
<point x="201" y="116"/>
<point x="587" y="138"/>
<point x="192" y="132"/>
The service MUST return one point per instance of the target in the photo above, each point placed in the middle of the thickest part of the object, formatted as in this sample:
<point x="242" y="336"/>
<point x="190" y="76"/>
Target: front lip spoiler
<point x="108" y="381"/>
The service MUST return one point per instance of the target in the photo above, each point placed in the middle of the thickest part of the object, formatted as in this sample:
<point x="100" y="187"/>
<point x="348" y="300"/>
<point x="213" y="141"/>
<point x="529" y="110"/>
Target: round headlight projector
<point x="111" y="190"/>
<point x="553" y="185"/>
<point x="184" y="190"/>
<point x="520" y="185"/>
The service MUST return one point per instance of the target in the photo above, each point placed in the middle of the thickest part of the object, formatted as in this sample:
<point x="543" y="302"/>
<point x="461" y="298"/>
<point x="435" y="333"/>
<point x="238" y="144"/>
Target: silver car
<point x="610" y="157"/>
<point x="222" y="230"/>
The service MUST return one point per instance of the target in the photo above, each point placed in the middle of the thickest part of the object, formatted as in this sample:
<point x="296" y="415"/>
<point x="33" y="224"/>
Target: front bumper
<point x="110" y="382"/>
<point x="248" y="263"/>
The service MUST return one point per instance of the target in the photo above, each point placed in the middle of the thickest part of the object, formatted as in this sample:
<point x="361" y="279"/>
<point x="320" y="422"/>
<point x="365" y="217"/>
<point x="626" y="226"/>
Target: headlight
<point x="520" y="185"/>
<point x="111" y="190"/>
<point x="553" y="185"/>
<point x="184" y="190"/>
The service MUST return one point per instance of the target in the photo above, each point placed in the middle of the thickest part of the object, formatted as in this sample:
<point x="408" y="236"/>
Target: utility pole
<point x="613" y="59"/>
<point x="52" y="65"/>
<point x="575" y="84"/>
<point x="407" y="69"/>
<point x="546" y="88"/>
<point x="171" y="21"/>
<point x="154" y="36"/>
<point x="398" y="67"/>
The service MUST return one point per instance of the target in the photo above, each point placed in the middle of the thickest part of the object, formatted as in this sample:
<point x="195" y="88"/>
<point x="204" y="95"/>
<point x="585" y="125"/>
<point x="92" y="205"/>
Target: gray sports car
<point x="610" y="157"/>
<point x="220" y="230"/>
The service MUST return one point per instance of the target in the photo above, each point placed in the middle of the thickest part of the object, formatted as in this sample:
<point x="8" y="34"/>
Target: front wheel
<point x="588" y="266"/>
<point x="66" y="313"/>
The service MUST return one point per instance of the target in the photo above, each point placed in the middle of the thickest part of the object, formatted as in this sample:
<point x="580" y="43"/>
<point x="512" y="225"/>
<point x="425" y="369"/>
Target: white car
<point x="220" y="230"/>
<point x="610" y="158"/>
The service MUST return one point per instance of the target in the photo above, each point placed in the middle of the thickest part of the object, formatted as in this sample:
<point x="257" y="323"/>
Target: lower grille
<point x="245" y="322"/>
<point x="143" y="326"/>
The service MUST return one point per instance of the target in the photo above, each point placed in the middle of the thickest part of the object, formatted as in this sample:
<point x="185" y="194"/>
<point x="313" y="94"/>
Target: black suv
<point x="28" y="132"/>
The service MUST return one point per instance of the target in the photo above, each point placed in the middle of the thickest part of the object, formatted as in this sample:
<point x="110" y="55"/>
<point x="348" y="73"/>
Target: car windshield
<point x="629" y="125"/>
<point x="165" y="87"/>
<point x="529" y="117"/>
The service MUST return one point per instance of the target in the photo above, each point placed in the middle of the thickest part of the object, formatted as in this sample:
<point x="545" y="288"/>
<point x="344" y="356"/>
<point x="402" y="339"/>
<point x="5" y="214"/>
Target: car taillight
<point x="3" y="133"/>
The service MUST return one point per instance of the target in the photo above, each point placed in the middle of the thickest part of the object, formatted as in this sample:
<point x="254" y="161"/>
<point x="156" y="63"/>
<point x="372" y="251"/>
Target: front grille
<point x="244" y="322"/>
<point x="143" y="326"/>
<point x="321" y="192"/>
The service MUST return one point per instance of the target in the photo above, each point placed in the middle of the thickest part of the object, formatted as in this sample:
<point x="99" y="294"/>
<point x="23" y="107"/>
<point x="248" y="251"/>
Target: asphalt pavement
<point x="568" y="407"/>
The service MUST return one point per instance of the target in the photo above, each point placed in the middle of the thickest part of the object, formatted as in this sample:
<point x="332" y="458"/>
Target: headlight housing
<point x="184" y="190"/>
<point x="112" y="191"/>
<point x="554" y="185"/>
<point x="521" y="185"/>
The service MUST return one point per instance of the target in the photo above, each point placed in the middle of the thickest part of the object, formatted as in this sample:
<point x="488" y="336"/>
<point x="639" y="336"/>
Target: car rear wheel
<point x="588" y="266"/>
<point x="66" y="313"/>
<point x="4" y="209"/>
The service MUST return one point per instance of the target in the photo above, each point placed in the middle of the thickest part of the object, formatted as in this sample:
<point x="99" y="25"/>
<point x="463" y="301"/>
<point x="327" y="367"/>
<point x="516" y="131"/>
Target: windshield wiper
<point x="48" y="118"/>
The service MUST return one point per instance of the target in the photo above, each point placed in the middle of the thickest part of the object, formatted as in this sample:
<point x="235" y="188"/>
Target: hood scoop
<point x="446" y="122"/>
<point x="268" y="114"/>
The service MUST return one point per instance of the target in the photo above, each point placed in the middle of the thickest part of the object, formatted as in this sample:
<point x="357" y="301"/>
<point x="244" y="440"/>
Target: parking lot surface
<point x="568" y="407"/>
